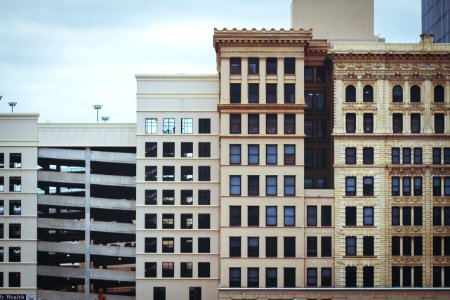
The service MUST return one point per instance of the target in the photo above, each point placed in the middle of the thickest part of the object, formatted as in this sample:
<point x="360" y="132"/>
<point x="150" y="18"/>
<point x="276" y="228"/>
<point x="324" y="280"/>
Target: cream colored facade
<point x="194" y="264"/>
<point x="18" y="243"/>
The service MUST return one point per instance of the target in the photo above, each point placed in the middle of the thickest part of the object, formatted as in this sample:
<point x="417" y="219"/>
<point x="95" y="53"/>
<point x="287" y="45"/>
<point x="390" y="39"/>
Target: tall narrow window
<point x="417" y="186"/>
<point x="368" y="155"/>
<point x="417" y="156"/>
<point x="151" y="149"/>
<point x="368" y="186"/>
<point x="253" y="65"/>
<point x="271" y="65"/>
<point x="271" y="123"/>
<point x="235" y="65"/>
<point x="350" y="186"/>
<point x="289" y="65"/>
<point x="15" y="160"/>
<point x="235" y="93"/>
<point x="151" y="125"/>
<point x="289" y="154"/>
<point x="368" y="276"/>
<point x="271" y="185"/>
<point x="271" y="155"/>
<point x="439" y="93"/>
<point x="350" y="93"/>
<point x="368" y="93"/>
<point x="235" y="154"/>
<point x="187" y="126"/>
<point x="395" y="186"/>
<point x="289" y="124"/>
<point x="415" y="123"/>
<point x="395" y="216"/>
<point x="289" y="185"/>
<point x="350" y="122"/>
<point x="235" y="123"/>
<point x="253" y="154"/>
<point x="397" y="123"/>
<point x="350" y="155"/>
<point x="415" y="94"/>
<point x="235" y="277"/>
<point x="271" y="216"/>
<point x="253" y="93"/>
<point x="168" y="125"/>
<point x="397" y="94"/>
<point x="252" y="277"/>
<point x="395" y="155"/>
<point x="271" y="277"/>
<point x="350" y="246"/>
<point x="439" y="125"/>
<point x="289" y="216"/>
<point x="253" y="123"/>
<point x="253" y="185"/>
<point x="368" y="123"/>
<point x="235" y="185"/>
<point x="406" y="155"/>
<point x="436" y="156"/>
<point x="350" y="276"/>
<point x="289" y="93"/>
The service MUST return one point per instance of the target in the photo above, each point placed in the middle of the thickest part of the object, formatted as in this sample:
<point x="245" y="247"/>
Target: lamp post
<point x="97" y="107"/>
<point x="12" y="104"/>
<point x="105" y="118"/>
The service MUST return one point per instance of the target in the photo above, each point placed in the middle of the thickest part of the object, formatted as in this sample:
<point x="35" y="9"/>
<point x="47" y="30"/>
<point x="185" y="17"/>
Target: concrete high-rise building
<point x="436" y="19"/>
<point x="310" y="167"/>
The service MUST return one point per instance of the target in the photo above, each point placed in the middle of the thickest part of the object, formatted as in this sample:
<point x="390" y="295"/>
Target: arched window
<point x="397" y="94"/>
<point x="368" y="93"/>
<point x="415" y="94"/>
<point x="350" y="94"/>
<point x="439" y="93"/>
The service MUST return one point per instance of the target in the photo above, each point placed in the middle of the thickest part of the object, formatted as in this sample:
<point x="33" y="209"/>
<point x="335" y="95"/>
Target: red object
<point x="100" y="295"/>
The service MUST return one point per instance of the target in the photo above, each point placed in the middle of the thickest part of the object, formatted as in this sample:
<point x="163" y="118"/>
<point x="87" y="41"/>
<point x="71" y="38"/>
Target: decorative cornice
<point x="247" y="108"/>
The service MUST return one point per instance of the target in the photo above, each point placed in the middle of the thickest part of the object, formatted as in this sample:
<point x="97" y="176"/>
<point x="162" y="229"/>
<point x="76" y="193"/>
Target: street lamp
<point x="105" y="119"/>
<point x="12" y="104"/>
<point x="97" y="107"/>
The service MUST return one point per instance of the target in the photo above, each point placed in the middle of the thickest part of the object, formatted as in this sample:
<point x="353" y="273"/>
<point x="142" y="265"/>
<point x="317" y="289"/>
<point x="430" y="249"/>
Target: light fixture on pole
<point x="97" y="107"/>
<point x="12" y="104"/>
<point x="105" y="119"/>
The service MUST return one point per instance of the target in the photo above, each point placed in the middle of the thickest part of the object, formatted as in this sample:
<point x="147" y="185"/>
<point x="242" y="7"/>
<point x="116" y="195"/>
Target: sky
<point x="60" y="57"/>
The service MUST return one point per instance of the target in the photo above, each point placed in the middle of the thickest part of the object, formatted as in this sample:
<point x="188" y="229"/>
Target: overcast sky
<point x="59" y="57"/>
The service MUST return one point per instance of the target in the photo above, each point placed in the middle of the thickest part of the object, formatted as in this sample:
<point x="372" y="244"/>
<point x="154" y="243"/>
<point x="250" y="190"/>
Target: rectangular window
<point x="235" y="247"/>
<point x="15" y="231"/>
<point x="368" y="155"/>
<point x="168" y="197"/>
<point x="271" y="123"/>
<point x="253" y="215"/>
<point x="350" y="216"/>
<point x="253" y="124"/>
<point x="415" y="123"/>
<point x="187" y="150"/>
<point x="186" y="245"/>
<point x="368" y="186"/>
<point x="271" y="65"/>
<point x="289" y="93"/>
<point x="446" y="156"/>
<point x="168" y="149"/>
<point x="395" y="186"/>
<point x="204" y="221"/>
<point x="395" y="216"/>
<point x="368" y="123"/>
<point x="406" y="155"/>
<point x="289" y="65"/>
<point x="439" y="124"/>
<point x="235" y="93"/>
<point x="235" y="65"/>
<point x="271" y="93"/>
<point x="436" y="156"/>
<point x="235" y="277"/>
<point x="326" y="248"/>
<point x="322" y="128"/>
<point x="289" y="277"/>
<point x="204" y="125"/>
<point x="271" y="277"/>
<point x="437" y="216"/>
<point x="204" y="149"/>
<point x="325" y="218"/>
<point x="271" y="155"/>
<point x="271" y="247"/>
<point x="195" y="293"/>
<point x="2" y="165"/>
<point x="311" y="215"/>
<point x="417" y="186"/>
<point x="271" y="216"/>
<point x="253" y="93"/>
<point x="168" y="221"/>
<point x="368" y="246"/>
<point x="15" y="208"/>
<point x="395" y="276"/>
<point x="309" y="129"/>
<point x="446" y="186"/>
<point x="169" y="173"/>
<point x="395" y="246"/>
<point x="395" y="155"/>
<point x="186" y="269"/>
<point x="151" y="125"/>
<point x="253" y="154"/>
<point x="2" y="207"/>
<point x="397" y="123"/>
<point x="187" y="125"/>
<point x="235" y="154"/>
<point x="289" y="246"/>
<point x="418" y="277"/>
<point x="204" y="197"/>
<point x="417" y="156"/>
<point x="406" y="186"/>
<point x="187" y="173"/>
<point x="311" y="246"/>
<point x="15" y="160"/>
<point x="350" y="276"/>
<point x="235" y="216"/>
<point x="437" y="188"/>
<point x="368" y="276"/>
<point x="289" y="216"/>
<point x="418" y="246"/>
<point x="235" y="123"/>
<point x="350" y="123"/>
<point x="168" y="125"/>
<point x="151" y="221"/>
<point x="326" y="277"/>
<point x="168" y="245"/>
<point x="320" y="100"/>
<point x="350" y="246"/>
<point x="204" y="245"/>
<point x="252" y="247"/>
<point x="350" y="186"/>
<point x="368" y="216"/>
<point x="322" y="158"/>
<point x="15" y="184"/>
<point x="204" y="173"/>
<point x="187" y="197"/>
<point x="350" y="155"/>
<point x="151" y="149"/>
<point x="252" y="277"/>
<point x="150" y="269"/>
<point x="253" y="185"/>
<point x="289" y="154"/>
<point x="309" y="100"/>
<point x="253" y="65"/>
<point x="271" y="185"/>
<point x="308" y="158"/>
<point x="150" y="245"/>
<point x="309" y="74"/>
<point x="167" y="269"/>
<point x="311" y="277"/>
<point x="289" y="124"/>
<point x="235" y="185"/>
<point x="14" y="254"/>
<point x="407" y="246"/>
<point x="418" y="216"/>
<point x="289" y="185"/>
